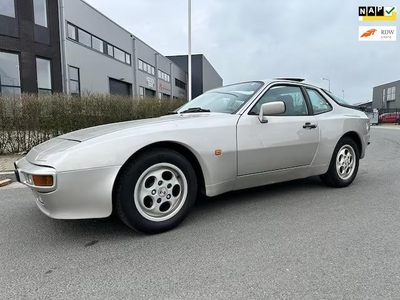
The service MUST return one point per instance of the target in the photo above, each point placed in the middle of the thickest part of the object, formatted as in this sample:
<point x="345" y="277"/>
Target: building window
<point x="40" y="12"/>
<point x="43" y="75"/>
<point x="180" y="84"/>
<point x="141" y="92"/>
<point x="118" y="54"/>
<point x="163" y="76"/>
<point x="391" y="93"/>
<point x="71" y="31"/>
<point x="128" y="58"/>
<point x="84" y="38"/>
<point x="110" y="50"/>
<point x="146" y="67"/>
<point x="7" y="8"/>
<point x="74" y="80"/>
<point x="97" y="44"/>
<point x="10" y="83"/>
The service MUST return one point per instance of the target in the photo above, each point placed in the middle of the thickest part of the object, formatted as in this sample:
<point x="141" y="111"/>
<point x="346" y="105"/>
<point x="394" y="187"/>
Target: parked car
<point x="150" y="172"/>
<point x="390" y="118"/>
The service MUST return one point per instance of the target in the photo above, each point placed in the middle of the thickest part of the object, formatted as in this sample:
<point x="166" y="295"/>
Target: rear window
<point x="338" y="100"/>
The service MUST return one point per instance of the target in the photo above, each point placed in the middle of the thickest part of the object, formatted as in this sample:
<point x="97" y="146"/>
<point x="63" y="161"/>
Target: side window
<point x="319" y="104"/>
<point x="291" y="95"/>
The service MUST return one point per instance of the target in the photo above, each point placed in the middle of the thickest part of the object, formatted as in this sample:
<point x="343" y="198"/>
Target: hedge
<point x="30" y="119"/>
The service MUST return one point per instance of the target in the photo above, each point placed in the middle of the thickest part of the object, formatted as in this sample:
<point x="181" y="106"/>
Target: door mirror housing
<point x="271" y="109"/>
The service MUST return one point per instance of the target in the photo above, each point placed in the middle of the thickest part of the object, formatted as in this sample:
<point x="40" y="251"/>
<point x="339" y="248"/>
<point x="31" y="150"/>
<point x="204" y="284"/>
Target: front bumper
<point x="80" y="194"/>
<point x="24" y="169"/>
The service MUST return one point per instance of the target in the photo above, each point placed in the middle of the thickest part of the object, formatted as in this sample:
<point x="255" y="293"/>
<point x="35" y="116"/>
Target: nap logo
<point x="377" y="33"/>
<point x="377" y="13"/>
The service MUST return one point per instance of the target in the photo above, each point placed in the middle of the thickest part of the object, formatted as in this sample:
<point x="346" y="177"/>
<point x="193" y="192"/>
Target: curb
<point x="5" y="182"/>
<point x="8" y="175"/>
<point x="386" y="127"/>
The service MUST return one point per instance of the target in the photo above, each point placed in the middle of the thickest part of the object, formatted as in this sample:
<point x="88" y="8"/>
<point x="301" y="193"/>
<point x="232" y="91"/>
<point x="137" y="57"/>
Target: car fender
<point x="332" y="128"/>
<point x="115" y="149"/>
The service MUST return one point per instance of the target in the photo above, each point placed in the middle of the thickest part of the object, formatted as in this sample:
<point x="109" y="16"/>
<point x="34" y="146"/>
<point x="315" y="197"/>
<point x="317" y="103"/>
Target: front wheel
<point x="344" y="164"/>
<point x="156" y="191"/>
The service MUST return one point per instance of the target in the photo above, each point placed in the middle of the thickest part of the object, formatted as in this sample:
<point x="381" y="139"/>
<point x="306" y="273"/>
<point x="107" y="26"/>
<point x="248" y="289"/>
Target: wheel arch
<point x="356" y="138"/>
<point x="182" y="149"/>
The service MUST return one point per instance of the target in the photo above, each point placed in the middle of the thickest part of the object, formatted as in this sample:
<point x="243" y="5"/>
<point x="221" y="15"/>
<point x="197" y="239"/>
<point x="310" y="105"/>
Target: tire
<point x="156" y="191"/>
<point x="339" y="177"/>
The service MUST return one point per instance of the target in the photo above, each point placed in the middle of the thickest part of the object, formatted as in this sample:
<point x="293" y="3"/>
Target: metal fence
<point x="375" y="115"/>
<point x="388" y="110"/>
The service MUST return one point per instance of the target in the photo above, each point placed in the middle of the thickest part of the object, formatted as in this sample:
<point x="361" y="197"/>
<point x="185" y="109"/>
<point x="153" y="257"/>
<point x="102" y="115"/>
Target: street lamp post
<point x="189" y="50"/>
<point x="329" y="82"/>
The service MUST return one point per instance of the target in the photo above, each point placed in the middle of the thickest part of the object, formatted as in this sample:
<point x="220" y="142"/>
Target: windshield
<point x="227" y="99"/>
<point x="337" y="99"/>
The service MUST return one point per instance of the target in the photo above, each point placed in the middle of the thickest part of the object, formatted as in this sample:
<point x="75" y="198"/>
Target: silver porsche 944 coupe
<point x="150" y="172"/>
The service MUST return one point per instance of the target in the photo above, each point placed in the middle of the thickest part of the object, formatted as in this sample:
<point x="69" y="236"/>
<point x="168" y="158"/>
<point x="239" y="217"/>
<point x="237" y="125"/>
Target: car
<point x="239" y="136"/>
<point x="390" y="118"/>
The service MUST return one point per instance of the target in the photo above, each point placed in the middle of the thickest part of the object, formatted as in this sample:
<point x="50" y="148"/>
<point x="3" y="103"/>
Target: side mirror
<point x="270" y="109"/>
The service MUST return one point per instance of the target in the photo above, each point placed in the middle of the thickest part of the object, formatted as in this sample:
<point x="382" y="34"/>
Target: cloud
<point x="256" y="39"/>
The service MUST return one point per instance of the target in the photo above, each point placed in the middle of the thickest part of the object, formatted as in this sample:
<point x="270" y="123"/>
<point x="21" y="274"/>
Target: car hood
<point x="56" y="146"/>
<point x="92" y="132"/>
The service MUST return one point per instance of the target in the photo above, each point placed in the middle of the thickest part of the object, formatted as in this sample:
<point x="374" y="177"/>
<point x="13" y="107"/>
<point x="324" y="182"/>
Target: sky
<point x="260" y="39"/>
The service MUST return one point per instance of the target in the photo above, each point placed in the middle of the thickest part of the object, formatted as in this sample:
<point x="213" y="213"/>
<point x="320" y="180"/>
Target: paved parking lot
<point x="299" y="240"/>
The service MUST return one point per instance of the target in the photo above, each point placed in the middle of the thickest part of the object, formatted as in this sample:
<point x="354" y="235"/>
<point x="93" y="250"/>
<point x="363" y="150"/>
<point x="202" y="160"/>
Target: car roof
<point x="295" y="80"/>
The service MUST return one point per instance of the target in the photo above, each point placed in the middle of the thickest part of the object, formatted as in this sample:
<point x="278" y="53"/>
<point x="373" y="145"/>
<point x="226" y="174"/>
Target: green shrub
<point x="29" y="119"/>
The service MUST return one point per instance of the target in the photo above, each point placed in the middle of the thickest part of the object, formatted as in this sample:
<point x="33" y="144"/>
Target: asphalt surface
<point x="298" y="240"/>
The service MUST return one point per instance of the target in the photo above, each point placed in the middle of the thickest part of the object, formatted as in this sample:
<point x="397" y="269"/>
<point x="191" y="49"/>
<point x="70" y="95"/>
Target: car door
<point x="285" y="141"/>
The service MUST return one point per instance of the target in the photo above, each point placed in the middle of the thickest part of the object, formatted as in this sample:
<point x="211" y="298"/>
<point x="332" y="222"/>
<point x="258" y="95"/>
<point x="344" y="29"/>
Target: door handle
<point x="309" y="125"/>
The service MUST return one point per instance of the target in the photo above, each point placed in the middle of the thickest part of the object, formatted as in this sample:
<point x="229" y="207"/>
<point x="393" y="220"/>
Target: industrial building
<point x="69" y="46"/>
<point x="386" y="95"/>
<point x="204" y="78"/>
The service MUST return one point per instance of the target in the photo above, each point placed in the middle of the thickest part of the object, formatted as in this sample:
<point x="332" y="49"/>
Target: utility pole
<point x="189" y="50"/>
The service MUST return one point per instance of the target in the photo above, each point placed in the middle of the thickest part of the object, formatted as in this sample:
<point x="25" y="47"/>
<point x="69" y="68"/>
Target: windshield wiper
<point x="195" y="110"/>
<point x="172" y="113"/>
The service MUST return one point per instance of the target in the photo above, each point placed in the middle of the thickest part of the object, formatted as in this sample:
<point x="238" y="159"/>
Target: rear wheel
<point x="344" y="164"/>
<point x="156" y="191"/>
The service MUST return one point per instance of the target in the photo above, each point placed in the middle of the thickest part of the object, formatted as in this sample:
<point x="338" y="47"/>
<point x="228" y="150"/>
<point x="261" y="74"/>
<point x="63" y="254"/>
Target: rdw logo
<point x="388" y="31"/>
<point x="377" y="33"/>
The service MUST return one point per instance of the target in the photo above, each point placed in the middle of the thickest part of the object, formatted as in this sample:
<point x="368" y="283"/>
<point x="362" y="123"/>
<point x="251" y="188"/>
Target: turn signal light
<point x="42" y="180"/>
